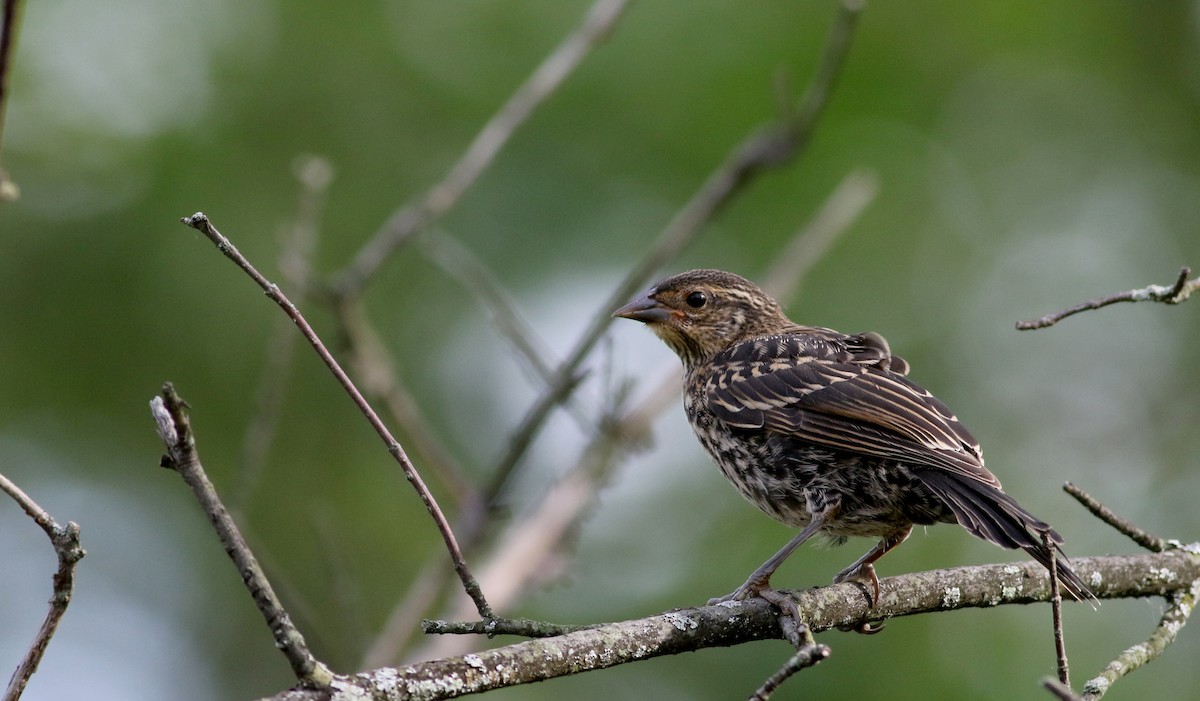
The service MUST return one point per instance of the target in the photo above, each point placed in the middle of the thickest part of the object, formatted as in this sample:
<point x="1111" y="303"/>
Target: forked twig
<point x="175" y="430"/>
<point x="1173" y="294"/>
<point x="201" y="223"/>
<point x="804" y="658"/>
<point x="1180" y="600"/>
<point x="65" y="540"/>
<point x="808" y="653"/>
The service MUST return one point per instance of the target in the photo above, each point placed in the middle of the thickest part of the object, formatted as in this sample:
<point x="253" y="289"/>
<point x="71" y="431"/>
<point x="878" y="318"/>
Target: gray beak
<point x="645" y="309"/>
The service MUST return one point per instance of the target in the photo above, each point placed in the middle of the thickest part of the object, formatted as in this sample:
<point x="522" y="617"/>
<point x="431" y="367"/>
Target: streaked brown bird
<point x="824" y="432"/>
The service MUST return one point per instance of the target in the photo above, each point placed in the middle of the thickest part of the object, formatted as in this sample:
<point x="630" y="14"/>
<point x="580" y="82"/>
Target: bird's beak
<point x="644" y="308"/>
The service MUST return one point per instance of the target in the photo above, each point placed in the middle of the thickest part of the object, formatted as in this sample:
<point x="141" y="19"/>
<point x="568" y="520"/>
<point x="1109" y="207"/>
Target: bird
<point x="825" y="432"/>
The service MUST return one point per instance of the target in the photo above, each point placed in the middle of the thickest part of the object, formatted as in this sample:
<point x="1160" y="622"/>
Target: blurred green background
<point x="1029" y="155"/>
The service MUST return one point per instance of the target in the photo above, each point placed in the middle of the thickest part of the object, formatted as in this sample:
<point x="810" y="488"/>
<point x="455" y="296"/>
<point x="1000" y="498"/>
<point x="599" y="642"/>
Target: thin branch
<point x="732" y="623"/>
<point x="1124" y="526"/>
<point x="201" y="223"/>
<point x="805" y="657"/>
<point x="1056" y="600"/>
<point x="768" y="147"/>
<point x="545" y="79"/>
<point x="65" y="541"/>
<point x="1181" y="603"/>
<point x="8" y="47"/>
<point x="175" y="430"/>
<point x="1173" y="294"/>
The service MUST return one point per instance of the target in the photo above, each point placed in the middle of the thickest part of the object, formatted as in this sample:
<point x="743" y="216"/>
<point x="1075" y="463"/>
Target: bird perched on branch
<point x="825" y="432"/>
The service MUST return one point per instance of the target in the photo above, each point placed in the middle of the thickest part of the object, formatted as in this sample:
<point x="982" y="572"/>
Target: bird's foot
<point x="790" y="621"/>
<point x="864" y="576"/>
<point x="750" y="589"/>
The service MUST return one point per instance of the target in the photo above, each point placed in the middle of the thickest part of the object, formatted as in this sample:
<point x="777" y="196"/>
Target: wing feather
<point x="837" y="391"/>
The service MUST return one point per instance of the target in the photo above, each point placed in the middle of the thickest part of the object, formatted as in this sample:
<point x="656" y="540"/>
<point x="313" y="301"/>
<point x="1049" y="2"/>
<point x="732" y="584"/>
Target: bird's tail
<point x="991" y="514"/>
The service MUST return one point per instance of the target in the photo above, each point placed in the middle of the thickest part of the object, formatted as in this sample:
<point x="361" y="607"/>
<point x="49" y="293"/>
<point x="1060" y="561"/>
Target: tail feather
<point x="989" y="513"/>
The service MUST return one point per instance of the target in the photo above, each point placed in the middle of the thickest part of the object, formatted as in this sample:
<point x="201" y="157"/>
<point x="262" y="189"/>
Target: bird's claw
<point x="865" y="628"/>
<point x="864" y="576"/>
<point x="750" y="588"/>
<point x="789" y="611"/>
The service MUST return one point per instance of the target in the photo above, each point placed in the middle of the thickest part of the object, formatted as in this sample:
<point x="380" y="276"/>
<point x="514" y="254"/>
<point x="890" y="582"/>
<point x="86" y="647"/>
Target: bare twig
<point x="805" y="657"/>
<point x="201" y="223"/>
<point x="1181" y="603"/>
<point x="1124" y="526"/>
<point x="548" y="76"/>
<point x="731" y="623"/>
<point x="768" y="147"/>
<point x="65" y="541"/>
<point x="175" y="430"/>
<point x="8" y="46"/>
<point x="1060" y="645"/>
<point x="1173" y="294"/>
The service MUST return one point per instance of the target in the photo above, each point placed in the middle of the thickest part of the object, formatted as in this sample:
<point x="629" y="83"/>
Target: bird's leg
<point x="759" y="583"/>
<point x="863" y="571"/>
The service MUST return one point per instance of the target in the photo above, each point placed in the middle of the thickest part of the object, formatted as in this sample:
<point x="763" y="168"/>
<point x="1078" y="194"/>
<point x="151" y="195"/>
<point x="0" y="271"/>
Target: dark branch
<point x="1173" y="294"/>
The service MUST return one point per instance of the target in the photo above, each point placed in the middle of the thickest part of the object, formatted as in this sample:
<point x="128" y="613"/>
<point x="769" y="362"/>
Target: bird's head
<point x="702" y="312"/>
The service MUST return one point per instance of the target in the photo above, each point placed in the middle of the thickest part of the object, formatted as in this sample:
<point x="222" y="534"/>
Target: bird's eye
<point x="696" y="299"/>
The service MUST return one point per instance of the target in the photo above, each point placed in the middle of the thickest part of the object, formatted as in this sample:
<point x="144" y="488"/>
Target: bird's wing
<point x="838" y="391"/>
